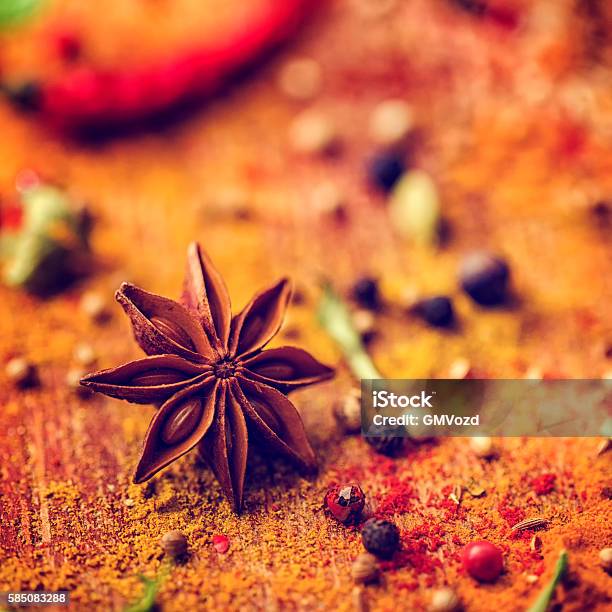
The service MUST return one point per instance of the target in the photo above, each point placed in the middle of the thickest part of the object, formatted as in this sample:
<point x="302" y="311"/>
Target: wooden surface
<point x="515" y="128"/>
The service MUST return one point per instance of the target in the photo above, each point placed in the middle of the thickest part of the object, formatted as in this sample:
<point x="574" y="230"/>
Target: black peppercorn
<point x="385" y="440"/>
<point x="25" y="96"/>
<point x="602" y="213"/>
<point x="484" y="278"/>
<point x="437" y="311"/>
<point x="385" y="169"/>
<point x="366" y="294"/>
<point x="381" y="538"/>
<point x="475" y="7"/>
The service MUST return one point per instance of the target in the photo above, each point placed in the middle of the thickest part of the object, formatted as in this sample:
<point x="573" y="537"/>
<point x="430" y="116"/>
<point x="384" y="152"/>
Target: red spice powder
<point x="530" y="560"/>
<point x="453" y="510"/>
<point x="407" y="586"/>
<point x="572" y="139"/>
<point x="417" y="546"/>
<point x="543" y="484"/>
<point x="503" y="16"/>
<point x="399" y="498"/>
<point x="509" y="513"/>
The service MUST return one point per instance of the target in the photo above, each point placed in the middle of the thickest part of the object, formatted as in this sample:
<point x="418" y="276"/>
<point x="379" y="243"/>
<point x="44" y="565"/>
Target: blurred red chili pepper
<point x="66" y="43"/>
<point x="88" y="97"/>
<point x="11" y="216"/>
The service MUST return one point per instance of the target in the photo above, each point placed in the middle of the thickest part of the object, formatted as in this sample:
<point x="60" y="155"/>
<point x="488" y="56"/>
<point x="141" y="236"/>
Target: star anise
<point x="208" y="373"/>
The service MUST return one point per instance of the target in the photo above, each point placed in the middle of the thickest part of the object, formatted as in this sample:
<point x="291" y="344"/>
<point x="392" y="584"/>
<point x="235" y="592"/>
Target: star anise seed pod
<point x="209" y="374"/>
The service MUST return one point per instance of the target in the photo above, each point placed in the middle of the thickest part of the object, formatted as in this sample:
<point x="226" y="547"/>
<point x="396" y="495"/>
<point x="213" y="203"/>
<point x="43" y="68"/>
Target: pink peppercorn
<point x="221" y="543"/>
<point x="483" y="561"/>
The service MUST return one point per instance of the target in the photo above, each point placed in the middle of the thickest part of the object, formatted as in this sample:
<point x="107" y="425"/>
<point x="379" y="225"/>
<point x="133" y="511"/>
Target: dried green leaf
<point x="52" y="231"/>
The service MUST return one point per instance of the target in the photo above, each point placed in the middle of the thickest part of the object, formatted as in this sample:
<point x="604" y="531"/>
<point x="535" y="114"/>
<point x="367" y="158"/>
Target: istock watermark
<point x="436" y="407"/>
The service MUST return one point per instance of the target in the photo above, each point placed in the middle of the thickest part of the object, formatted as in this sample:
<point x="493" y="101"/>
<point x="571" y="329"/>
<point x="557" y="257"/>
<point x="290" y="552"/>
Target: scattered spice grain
<point x="363" y="321"/>
<point x="84" y="354"/>
<point x="365" y="569"/>
<point x="605" y="558"/>
<point x="359" y="600"/>
<point x="444" y="600"/>
<point x="536" y="543"/>
<point x="459" y="369"/>
<point x="329" y="200"/>
<point x="482" y="446"/>
<point x="73" y="381"/>
<point x="604" y="446"/>
<point x="374" y="9"/>
<point x="457" y="494"/>
<point x="475" y="489"/>
<point x="348" y="412"/>
<point x="300" y="78"/>
<point x="531" y="523"/>
<point x="174" y="544"/>
<point x="94" y="306"/>
<point x="313" y="133"/>
<point x="21" y="372"/>
<point x="390" y="122"/>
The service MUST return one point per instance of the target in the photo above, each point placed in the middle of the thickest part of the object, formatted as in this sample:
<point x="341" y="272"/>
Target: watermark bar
<point x="470" y="407"/>
<point x="17" y="599"/>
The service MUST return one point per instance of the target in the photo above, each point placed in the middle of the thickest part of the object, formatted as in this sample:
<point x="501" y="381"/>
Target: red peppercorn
<point x="345" y="503"/>
<point x="482" y="560"/>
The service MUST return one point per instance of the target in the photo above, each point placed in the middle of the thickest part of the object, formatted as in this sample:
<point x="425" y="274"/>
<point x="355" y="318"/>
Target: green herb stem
<point x="146" y="602"/>
<point x="543" y="601"/>
<point x="335" y="318"/>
